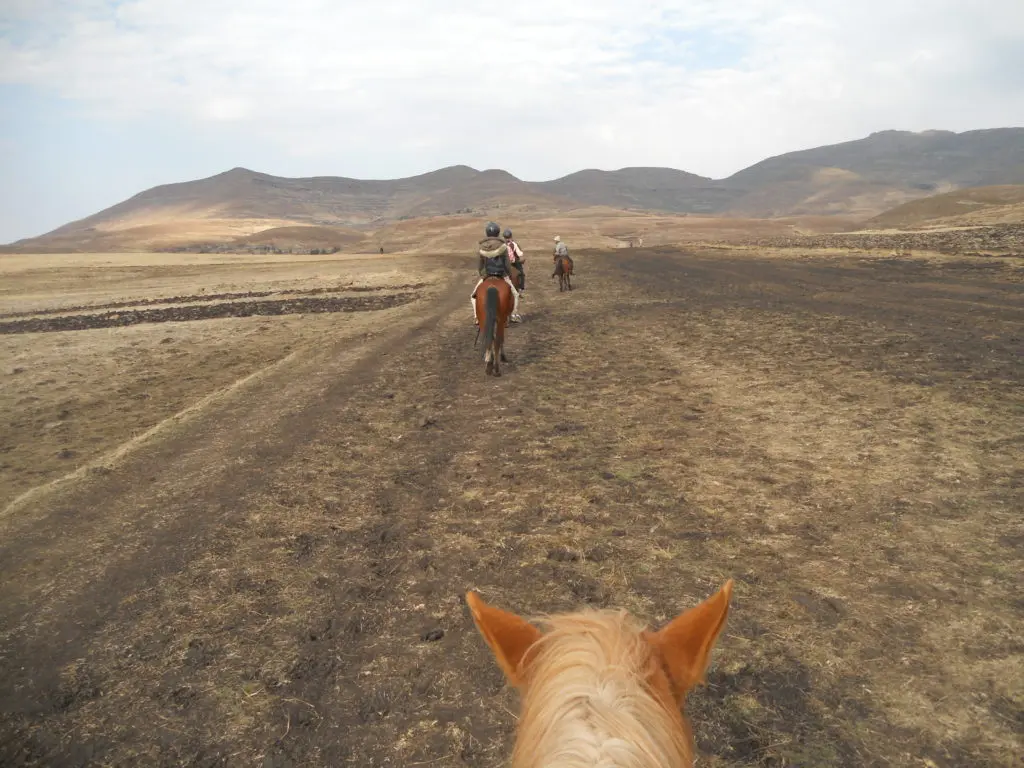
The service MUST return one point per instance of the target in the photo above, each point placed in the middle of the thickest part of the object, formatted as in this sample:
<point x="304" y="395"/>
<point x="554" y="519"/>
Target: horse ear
<point x="508" y="635"/>
<point x="685" y="643"/>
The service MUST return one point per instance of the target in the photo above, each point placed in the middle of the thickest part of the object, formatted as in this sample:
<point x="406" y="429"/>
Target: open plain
<point x="241" y="498"/>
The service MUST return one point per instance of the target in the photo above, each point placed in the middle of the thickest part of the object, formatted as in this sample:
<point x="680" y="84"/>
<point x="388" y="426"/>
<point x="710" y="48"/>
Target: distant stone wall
<point x="1005" y="239"/>
<point x="243" y="248"/>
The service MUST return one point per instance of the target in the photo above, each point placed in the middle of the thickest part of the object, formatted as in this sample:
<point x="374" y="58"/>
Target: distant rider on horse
<point x="561" y="250"/>
<point x="516" y="257"/>
<point x="494" y="262"/>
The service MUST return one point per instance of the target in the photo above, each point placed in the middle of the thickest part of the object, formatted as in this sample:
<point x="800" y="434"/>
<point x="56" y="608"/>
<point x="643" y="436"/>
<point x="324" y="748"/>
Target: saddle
<point x="494" y="270"/>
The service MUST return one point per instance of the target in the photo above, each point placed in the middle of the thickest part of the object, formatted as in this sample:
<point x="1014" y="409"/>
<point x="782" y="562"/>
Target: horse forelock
<point x="590" y="699"/>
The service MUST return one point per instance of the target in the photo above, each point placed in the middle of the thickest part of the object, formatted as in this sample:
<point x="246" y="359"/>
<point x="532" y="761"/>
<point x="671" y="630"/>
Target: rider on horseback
<point x="561" y="251"/>
<point x="494" y="262"/>
<point x="516" y="257"/>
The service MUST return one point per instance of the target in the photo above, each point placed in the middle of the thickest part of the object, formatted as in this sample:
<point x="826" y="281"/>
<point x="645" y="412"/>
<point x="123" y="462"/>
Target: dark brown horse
<point x="517" y="278"/>
<point x="563" y="271"/>
<point x="493" y="307"/>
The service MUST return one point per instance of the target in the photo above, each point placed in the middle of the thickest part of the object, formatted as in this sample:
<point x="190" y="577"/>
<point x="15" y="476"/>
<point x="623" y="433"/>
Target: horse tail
<point x="490" y="317"/>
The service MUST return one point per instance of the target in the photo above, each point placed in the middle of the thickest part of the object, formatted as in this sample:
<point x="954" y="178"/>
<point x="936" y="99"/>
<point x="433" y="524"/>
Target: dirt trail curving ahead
<point x="277" y="581"/>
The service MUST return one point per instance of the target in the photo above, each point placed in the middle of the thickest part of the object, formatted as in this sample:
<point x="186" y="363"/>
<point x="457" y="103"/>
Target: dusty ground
<point x="274" y="578"/>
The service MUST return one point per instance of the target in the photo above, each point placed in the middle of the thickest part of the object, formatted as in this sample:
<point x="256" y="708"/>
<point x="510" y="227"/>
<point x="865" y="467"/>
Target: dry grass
<point x="73" y="397"/>
<point x="587" y="227"/>
<point x="974" y="206"/>
<point x="266" y="585"/>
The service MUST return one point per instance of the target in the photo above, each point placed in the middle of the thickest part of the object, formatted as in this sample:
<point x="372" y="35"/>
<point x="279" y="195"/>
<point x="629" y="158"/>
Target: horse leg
<point x="499" y="336"/>
<point x="499" y="343"/>
<point x="492" y="325"/>
<point x="473" y="301"/>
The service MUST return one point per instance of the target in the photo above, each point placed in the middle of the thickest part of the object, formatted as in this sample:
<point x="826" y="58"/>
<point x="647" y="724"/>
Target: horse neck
<point x="588" y="702"/>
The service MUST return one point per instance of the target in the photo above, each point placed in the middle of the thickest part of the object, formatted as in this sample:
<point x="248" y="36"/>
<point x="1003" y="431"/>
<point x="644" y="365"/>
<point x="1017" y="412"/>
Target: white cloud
<point x="538" y="87"/>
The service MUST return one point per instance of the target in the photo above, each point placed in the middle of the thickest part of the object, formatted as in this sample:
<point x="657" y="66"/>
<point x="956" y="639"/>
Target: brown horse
<point x="517" y="278"/>
<point x="599" y="689"/>
<point x="563" y="271"/>
<point x="493" y="307"/>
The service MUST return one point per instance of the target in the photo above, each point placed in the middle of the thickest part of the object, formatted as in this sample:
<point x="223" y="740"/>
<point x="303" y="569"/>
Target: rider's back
<point x="493" y="254"/>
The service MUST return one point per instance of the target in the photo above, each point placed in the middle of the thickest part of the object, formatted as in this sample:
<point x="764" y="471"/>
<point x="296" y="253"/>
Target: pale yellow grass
<point x="535" y="226"/>
<point x="70" y="398"/>
<point x="30" y="282"/>
<point x="585" y="228"/>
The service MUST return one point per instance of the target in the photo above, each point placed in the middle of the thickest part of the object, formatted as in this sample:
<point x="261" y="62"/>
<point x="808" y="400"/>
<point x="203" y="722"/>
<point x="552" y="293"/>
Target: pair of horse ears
<point x="684" y="645"/>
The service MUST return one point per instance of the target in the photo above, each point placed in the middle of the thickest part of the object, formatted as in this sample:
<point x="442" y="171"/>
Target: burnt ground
<point x="207" y="311"/>
<point x="203" y="298"/>
<point x="279" y="583"/>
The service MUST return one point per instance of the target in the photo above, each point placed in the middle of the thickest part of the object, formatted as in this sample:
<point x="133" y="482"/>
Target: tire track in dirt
<point x="374" y="549"/>
<point x="447" y="512"/>
<point x="394" y="530"/>
<point x="70" y="559"/>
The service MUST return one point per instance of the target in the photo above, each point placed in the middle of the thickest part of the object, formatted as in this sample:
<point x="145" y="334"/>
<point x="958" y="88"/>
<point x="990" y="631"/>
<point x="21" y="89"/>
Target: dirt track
<point x="278" y="583"/>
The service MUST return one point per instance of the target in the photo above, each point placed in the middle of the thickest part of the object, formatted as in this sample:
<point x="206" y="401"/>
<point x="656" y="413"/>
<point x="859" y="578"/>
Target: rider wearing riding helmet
<point x="494" y="262"/>
<point x="515" y="256"/>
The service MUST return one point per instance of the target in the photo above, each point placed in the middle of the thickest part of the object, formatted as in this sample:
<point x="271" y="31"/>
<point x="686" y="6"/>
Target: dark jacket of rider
<point x="493" y="255"/>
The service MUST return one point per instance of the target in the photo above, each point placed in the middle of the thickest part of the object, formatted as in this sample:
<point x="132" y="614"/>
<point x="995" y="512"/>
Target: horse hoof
<point x="497" y="371"/>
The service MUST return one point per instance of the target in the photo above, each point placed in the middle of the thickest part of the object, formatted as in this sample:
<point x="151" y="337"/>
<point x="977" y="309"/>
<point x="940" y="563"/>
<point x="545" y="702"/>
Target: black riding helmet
<point x="507" y="234"/>
<point x="492" y="229"/>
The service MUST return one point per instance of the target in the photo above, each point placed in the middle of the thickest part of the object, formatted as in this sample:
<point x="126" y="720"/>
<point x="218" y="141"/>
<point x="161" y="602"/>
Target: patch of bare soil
<point x="995" y="240"/>
<point x="70" y="398"/>
<point x="205" y="297"/>
<point x="280" y="583"/>
<point x="121" y="318"/>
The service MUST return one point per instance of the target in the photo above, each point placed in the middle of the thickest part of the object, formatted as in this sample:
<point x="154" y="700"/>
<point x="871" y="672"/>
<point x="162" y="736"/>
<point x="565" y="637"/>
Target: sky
<point x="100" y="99"/>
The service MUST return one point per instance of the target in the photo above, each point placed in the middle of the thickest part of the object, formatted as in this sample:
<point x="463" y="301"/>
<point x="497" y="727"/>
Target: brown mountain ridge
<point x="859" y="179"/>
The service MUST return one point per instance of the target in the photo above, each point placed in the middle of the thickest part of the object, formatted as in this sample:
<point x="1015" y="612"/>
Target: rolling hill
<point x="861" y="179"/>
<point x="973" y="206"/>
<point x="870" y="175"/>
<point x="647" y="189"/>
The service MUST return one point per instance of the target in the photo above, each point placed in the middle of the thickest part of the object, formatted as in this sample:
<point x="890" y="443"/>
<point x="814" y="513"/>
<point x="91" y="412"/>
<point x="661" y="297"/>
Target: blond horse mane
<point x="590" y="701"/>
<point x="598" y="690"/>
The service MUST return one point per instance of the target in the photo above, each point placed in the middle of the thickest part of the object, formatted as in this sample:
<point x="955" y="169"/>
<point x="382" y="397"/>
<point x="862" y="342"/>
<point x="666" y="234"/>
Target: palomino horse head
<point x="597" y="688"/>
